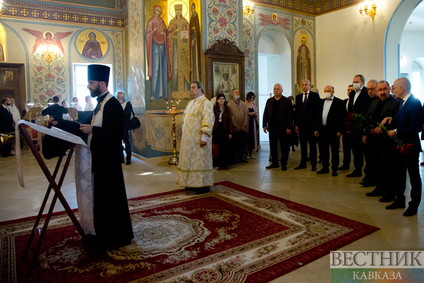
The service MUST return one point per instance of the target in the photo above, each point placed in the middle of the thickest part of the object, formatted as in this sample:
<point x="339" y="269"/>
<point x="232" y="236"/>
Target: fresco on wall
<point x="249" y="59"/>
<point x="273" y="19"/>
<point x="92" y="44"/>
<point x="303" y="46"/>
<point x="178" y="47"/>
<point x="48" y="65"/>
<point x="119" y="55"/>
<point x="194" y="39"/>
<point x="222" y="20"/>
<point x="158" y="61"/>
<point x="2" y="44"/>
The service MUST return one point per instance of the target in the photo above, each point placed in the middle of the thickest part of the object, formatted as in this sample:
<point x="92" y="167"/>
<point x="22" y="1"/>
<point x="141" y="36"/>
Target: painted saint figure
<point x="195" y="45"/>
<point x="303" y="62"/>
<point x="48" y="39"/>
<point x="178" y="36"/>
<point x="226" y="85"/>
<point x="92" y="48"/>
<point x="159" y="67"/>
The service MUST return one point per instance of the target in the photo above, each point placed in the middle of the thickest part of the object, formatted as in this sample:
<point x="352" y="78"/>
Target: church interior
<point x="156" y="48"/>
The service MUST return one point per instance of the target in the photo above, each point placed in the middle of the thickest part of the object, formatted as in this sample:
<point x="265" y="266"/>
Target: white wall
<point x="411" y="48"/>
<point x="348" y="44"/>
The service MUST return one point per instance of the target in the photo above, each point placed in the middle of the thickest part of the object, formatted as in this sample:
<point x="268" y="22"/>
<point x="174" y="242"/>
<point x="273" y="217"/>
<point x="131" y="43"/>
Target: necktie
<point x="306" y="99"/>
<point x="401" y="103"/>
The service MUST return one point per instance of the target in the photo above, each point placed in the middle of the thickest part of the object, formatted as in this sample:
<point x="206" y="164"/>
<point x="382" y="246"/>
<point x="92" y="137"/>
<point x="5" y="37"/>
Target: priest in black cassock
<point x="112" y="222"/>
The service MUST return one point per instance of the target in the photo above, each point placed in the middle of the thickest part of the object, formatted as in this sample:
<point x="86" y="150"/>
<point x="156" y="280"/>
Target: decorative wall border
<point x="64" y="13"/>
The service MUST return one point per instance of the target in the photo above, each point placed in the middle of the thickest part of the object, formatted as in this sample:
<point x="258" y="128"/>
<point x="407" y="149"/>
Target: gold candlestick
<point x="174" y="159"/>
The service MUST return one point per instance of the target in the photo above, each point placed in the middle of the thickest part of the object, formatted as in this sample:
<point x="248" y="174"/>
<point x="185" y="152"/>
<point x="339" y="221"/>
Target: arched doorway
<point x="274" y="66"/>
<point x="393" y="37"/>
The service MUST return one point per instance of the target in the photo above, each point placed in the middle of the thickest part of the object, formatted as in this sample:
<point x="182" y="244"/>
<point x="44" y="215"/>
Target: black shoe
<point x="344" y="167"/>
<point x="375" y="193"/>
<point x="323" y="171"/>
<point x="387" y="199"/>
<point x="354" y="174"/>
<point x="396" y="204"/>
<point x="314" y="168"/>
<point x="284" y="168"/>
<point x="272" y="166"/>
<point x="301" y="166"/>
<point x="128" y="162"/>
<point x="243" y="161"/>
<point x="410" y="211"/>
<point x="335" y="173"/>
<point x="204" y="190"/>
<point x="190" y="189"/>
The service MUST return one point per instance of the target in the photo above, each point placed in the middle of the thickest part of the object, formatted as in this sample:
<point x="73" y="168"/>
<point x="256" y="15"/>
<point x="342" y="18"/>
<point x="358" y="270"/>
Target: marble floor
<point x="339" y="195"/>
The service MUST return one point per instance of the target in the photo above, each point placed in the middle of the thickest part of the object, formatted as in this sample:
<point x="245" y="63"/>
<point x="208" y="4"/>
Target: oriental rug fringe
<point x="232" y="234"/>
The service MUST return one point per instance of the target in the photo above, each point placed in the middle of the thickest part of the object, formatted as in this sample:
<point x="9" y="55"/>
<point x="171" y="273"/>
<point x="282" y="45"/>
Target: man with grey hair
<point x="407" y="124"/>
<point x="239" y="118"/>
<point x="278" y="121"/>
<point x="304" y="124"/>
<point x="195" y="162"/>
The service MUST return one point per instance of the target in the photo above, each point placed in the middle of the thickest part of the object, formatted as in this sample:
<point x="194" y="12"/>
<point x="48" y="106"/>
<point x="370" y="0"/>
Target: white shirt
<point x="326" y="109"/>
<point x="305" y="96"/>
<point x="357" y="94"/>
<point x="405" y="99"/>
<point x="89" y="107"/>
<point x="79" y="108"/>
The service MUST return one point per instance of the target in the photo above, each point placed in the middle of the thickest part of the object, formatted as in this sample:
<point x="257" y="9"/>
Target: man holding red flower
<point x="407" y="124"/>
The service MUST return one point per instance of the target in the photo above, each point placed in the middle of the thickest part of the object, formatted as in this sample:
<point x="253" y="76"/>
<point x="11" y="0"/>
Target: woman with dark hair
<point x="252" y="125"/>
<point x="222" y="130"/>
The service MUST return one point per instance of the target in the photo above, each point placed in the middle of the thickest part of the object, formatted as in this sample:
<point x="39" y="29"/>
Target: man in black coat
<point x="329" y="125"/>
<point x="357" y="100"/>
<point x="6" y="125"/>
<point x="382" y="147"/>
<point x="304" y="122"/>
<point x="128" y="110"/>
<point x="56" y="111"/>
<point x="278" y="121"/>
<point x="112" y="221"/>
<point x="407" y="124"/>
<point x="347" y="142"/>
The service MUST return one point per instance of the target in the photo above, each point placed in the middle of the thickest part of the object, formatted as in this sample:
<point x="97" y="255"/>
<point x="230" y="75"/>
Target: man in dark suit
<point x="347" y="142"/>
<point x="278" y="121"/>
<point x="357" y="100"/>
<point x="407" y="124"/>
<point x="304" y="120"/>
<point x="381" y="147"/>
<point x="329" y="124"/>
<point x="6" y="125"/>
<point x="56" y="111"/>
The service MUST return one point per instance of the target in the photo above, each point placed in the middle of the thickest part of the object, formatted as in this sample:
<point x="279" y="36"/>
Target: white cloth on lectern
<point x="83" y="175"/>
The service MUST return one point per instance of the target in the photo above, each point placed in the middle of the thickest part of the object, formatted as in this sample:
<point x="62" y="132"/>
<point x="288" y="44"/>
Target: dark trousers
<point x="306" y="135"/>
<point x="126" y="140"/>
<point x="383" y="160"/>
<point x="5" y="149"/>
<point x="220" y="137"/>
<point x="369" y="165"/>
<point x="274" y="137"/>
<point x="329" y="139"/>
<point x="408" y="161"/>
<point x="347" y="147"/>
<point x="358" y="153"/>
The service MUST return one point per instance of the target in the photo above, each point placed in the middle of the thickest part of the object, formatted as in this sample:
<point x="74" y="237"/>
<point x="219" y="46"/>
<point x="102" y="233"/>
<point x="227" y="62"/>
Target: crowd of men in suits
<point x="394" y="116"/>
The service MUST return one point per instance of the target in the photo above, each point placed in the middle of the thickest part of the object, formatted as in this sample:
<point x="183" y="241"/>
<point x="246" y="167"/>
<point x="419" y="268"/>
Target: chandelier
<point x="247" y="8"/>
<point x="368" y="9"/>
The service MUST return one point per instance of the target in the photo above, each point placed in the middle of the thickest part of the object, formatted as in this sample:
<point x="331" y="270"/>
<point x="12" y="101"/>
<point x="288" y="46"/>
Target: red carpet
<point x="233" y="234"/>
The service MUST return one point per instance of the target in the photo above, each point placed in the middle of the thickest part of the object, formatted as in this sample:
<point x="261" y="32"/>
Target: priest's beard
<point x="95" y="92"/>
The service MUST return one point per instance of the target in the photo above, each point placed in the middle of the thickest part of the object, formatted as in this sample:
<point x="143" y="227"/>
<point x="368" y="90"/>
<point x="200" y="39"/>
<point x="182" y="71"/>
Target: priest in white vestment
<point x="195" y="162"/>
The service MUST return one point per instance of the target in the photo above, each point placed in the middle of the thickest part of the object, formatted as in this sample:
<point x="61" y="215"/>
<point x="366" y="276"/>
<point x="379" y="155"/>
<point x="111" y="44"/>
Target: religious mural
<point x="222" y="20"/>
<point x="92" y="44"/>
<point x="178" y="47"/>
<point x="195" y="43"/>
<point x="273" y="19"/>
<point x="48" y="64"/>
<point x="158" y="61"/>
<point x="304" y="57"/>
<point x="249" y="53"/>
<point x="2" y="44"/>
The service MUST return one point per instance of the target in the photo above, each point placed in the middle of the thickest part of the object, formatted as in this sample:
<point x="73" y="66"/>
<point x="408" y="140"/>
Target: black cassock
<point x="112" y="220"/>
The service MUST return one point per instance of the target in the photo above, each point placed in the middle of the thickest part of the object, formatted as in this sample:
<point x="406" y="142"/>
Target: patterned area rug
<point x="233" y="234"/>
